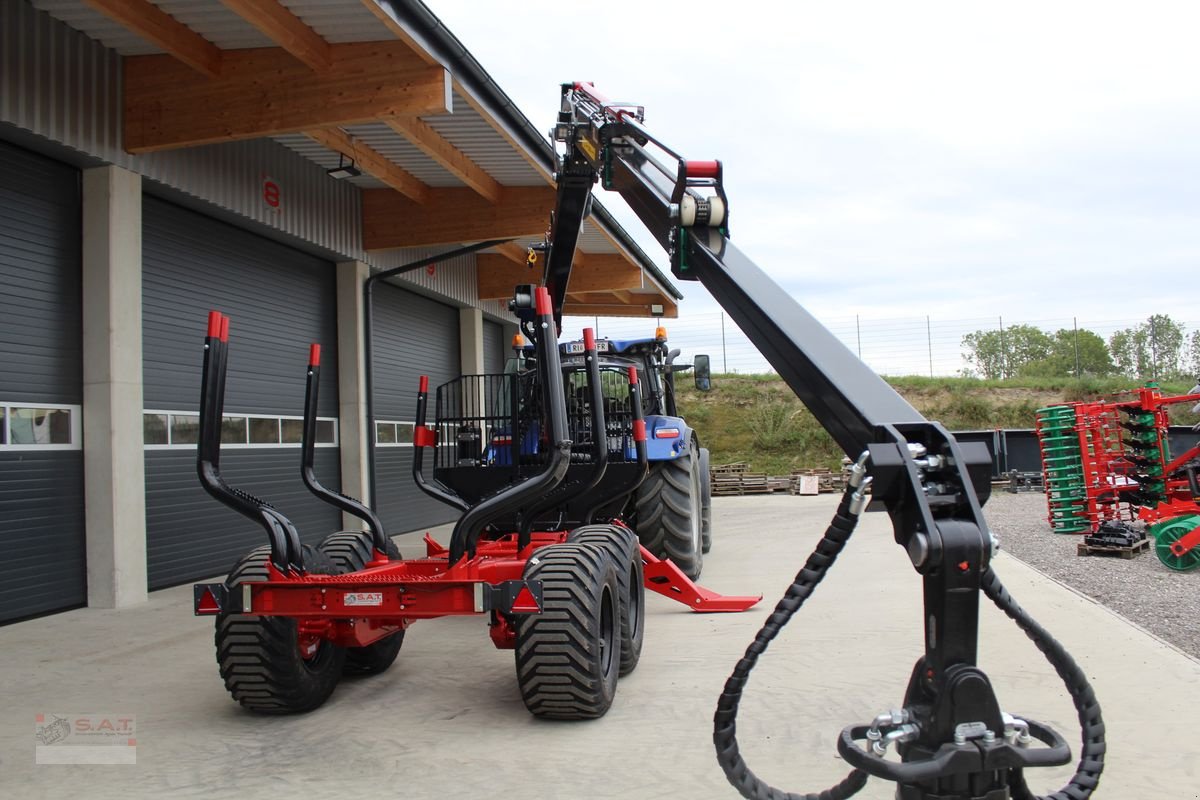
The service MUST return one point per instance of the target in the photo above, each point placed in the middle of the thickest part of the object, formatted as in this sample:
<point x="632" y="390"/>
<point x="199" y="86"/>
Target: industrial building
<point x="160" y="159"/>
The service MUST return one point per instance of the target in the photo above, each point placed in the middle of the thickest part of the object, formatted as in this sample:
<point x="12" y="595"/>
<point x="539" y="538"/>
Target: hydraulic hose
<point x="725" y="720"/>
<point x="1091" y="760"/>
<point x="1091" y="756"/>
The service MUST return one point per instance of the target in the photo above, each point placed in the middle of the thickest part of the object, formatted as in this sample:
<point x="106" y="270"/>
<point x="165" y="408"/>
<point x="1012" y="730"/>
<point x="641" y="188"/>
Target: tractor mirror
<point x="702" y="373"/>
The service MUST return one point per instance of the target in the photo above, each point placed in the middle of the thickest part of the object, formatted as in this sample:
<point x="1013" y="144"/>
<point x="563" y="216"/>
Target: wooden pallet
<point x="1123" y="552"/>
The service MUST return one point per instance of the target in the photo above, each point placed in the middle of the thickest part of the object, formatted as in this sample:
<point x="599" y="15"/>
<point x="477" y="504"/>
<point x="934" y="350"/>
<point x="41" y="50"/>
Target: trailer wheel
<point x="568" y="657"/>
<point x="622" y="547"/>
<point x="350" y="551"/>
<point x="668" y="509"/>
<point x="260" y="658"/>
<point x="705" y="502"/>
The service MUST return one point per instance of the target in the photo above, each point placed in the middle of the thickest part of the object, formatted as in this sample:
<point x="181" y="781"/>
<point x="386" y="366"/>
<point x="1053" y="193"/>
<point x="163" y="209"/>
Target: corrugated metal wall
<point x="495" y="349"/>
<point x="59" y="84"/>
<point x="42" y="552"/>
<point x="413" y="336"/>
<point x="453" y="278"/>
<point x="279" y="301"/>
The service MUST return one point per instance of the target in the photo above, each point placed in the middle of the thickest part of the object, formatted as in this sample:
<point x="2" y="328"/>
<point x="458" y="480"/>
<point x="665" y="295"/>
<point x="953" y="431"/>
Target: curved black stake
<point x="308" y="443"/>
<point x="574" y="488"/>
<point x="286" y="552"/>
<point x="638" y="433"/>
<point x="427" y="437"/>
<point x="469" y="526"/>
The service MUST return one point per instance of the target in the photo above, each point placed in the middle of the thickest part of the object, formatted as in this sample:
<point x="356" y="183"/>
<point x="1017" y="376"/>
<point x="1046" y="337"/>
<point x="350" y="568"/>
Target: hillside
<point x="757" y="418"/>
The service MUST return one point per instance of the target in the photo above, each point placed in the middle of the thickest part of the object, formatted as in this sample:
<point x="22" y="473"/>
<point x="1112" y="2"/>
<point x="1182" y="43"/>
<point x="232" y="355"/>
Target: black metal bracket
<point x="502" y="597"/>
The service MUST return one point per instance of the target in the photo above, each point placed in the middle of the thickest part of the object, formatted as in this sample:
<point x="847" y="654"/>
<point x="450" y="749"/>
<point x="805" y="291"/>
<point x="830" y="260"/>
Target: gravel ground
<point x="1140" y="589"/>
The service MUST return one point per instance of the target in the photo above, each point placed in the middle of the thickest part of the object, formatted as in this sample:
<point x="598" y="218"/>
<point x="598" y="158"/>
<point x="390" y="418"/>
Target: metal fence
<point x="922" y="345"/>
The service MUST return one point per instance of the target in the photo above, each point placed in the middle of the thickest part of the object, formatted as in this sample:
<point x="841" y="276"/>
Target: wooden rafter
<point x="371" y="161"/>
<point x="265" y="91"/>
<point x="287" y="30"/>
<point x="432" y="144"/>
<point x="384" y="15"/>
<point x="592" y="273"/>
<point x="539" y="165"/>
<point x="513" y="252"/>
<point x="641" y="309"/>
<point x="452" y="216"/>
<point x="157" y="26"/>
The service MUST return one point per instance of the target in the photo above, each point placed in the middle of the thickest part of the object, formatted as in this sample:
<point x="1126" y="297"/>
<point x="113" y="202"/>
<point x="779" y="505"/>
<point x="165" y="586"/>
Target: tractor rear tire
<point x="259" y="657"/>
<point x="705" y="502"/>
<point x="350" y="551"/>
<point x="568" y="657"/>
<point x="668" y="512"/>
<point x="622" y="547"/>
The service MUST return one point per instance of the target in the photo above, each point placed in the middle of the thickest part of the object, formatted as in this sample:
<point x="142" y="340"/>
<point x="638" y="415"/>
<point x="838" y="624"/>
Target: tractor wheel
<point x="568" y="657"/>
<point x="350" y="551"/>
<point x="266" y="664"/>
<point x="705" y="502"/>
<point x="669" y="519"/>
<point x="622" y="547"/>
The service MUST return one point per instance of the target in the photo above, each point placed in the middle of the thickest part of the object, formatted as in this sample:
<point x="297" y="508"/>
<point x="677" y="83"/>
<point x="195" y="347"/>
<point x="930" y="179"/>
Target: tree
<point x="1004" y="352"/>
<point x="1150" y="350"/>
<point x="1073" y="352"/>
<point x="1193" y="356"/>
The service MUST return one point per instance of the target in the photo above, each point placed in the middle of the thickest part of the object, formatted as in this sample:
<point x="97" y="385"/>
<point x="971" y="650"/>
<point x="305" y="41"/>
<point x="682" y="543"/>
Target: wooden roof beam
<point x="497" y="275"/>
<point x="265" y="91"/>
<point x="160" y="28"/>
<point x="371" y="161"/>
<point x="287" y="30"/>
<point x="513" y="252"/>
<point x="432" y="144"/>
<point x="578" y="309"/>
<point x="453" y="216"/>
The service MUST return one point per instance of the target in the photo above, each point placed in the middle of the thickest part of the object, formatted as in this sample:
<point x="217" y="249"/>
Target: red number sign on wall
<point x="271" y="193"/>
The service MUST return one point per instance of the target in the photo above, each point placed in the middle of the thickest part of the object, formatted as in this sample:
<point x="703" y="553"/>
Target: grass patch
<point x="757" y="418"/>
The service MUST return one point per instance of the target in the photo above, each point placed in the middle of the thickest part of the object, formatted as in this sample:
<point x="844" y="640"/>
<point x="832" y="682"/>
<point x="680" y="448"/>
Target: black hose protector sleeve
<point x="1091" y="757"/>
<point x="724" y="721"/>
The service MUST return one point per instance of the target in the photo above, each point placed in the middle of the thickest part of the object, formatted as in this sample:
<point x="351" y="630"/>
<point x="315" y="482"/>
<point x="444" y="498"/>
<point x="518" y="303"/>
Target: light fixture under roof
<point x="343" y="170"/>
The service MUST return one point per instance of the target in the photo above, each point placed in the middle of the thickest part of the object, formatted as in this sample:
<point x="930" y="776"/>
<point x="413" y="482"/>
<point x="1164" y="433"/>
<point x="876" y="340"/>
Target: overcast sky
<point x="1028" y="160"/>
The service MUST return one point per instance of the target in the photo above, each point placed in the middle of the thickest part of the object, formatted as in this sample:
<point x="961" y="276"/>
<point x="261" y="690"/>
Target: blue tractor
<point x="671" y="510"/>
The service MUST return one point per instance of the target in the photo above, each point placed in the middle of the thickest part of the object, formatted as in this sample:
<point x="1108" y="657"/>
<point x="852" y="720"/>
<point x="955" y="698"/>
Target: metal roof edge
<point x="429" y="32"/>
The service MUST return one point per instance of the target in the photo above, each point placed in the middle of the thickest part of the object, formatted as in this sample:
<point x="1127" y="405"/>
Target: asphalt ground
<point x="447" y="721"/>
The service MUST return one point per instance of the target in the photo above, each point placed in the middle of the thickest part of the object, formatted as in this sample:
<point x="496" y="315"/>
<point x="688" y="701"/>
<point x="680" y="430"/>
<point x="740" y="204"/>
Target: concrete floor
<point x="447" y="721"/>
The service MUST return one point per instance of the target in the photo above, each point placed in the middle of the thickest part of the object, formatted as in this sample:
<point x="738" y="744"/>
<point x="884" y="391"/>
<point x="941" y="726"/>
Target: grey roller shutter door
<point x="279" y="300"/>
<point x="494" y="347"/>
<point x="412" y="336"/>
<point x="42" y="546"/>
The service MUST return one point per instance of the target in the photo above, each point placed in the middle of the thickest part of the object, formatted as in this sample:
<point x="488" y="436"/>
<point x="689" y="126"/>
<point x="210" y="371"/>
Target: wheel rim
<point x="634" y="600"/>
<point x="607" y="632"/>
<point x="309" y="638"/>
<point x="1170" y="533"/>
<point x="697" y="524"/>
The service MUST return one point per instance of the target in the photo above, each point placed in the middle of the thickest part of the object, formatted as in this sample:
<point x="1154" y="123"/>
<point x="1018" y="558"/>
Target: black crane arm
<point x="931" y="485"/>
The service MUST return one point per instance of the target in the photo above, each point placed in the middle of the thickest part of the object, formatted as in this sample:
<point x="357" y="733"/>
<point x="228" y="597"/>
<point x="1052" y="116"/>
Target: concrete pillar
<point x="470" y="338"/>
<point x="352" y="387"/>
<point x="113" y="456"/>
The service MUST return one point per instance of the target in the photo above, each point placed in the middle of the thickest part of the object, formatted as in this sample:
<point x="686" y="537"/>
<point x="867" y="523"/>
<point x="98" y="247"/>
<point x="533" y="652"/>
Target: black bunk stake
<point x="286" y="552"/>
<point x="308" y="443"/>
<point x="569" y="489"/>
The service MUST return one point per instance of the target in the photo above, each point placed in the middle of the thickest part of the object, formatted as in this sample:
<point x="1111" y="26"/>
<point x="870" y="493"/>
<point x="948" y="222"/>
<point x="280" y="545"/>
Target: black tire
<point x="622" y="547"/>
<point x="568" y="657"/>
<point x="259" y="657"/>
<point x="350" y="551"/>
<point x="668" y="515"/>
<point x="706" y="538"/>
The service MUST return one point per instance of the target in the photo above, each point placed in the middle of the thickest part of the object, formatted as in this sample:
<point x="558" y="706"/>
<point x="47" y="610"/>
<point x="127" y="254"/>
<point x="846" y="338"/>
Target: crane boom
<point x="952" y="736"/>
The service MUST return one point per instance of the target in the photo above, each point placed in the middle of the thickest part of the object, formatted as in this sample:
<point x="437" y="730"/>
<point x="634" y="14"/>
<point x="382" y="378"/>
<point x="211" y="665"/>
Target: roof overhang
<point x="444" y="156"/>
